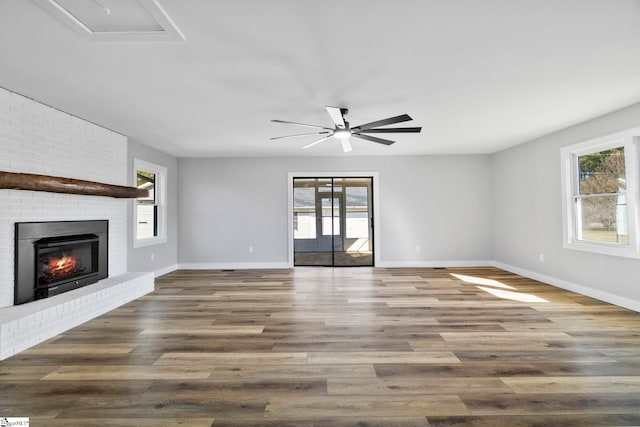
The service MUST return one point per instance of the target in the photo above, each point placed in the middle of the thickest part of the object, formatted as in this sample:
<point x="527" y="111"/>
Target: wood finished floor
<point x="333" y="347"/>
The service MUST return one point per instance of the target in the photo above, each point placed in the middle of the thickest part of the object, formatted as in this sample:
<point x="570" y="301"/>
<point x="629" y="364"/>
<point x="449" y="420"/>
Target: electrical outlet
<point x="417" y="248"/>
<point x="250" y="249"/>
<point x="541" y="257"/>
<point x="152" y="256"/>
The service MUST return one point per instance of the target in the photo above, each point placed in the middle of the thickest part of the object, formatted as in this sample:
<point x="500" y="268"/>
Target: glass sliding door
<point x="356" y="246"/>
<point x="312" y="222"/>
<point x="332" y="221"/>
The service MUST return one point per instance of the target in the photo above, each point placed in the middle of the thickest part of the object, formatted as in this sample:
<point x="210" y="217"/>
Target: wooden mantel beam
<point x="55" y="184"/>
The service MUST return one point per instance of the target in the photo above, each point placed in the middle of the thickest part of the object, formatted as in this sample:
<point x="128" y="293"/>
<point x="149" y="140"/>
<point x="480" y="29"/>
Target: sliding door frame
<point x="376" y="206"/>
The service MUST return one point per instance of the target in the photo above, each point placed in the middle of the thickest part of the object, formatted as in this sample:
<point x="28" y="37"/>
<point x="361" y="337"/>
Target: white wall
<point x="160" y="258"/>
<point x="35" y="138"/>
<point x="527" y="216"/>
<point x="442" y="203"/>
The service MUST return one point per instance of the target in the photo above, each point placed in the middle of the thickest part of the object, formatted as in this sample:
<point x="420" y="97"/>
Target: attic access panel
<point x="115" y="20"/>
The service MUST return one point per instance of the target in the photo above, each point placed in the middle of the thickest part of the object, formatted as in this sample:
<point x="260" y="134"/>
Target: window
<point x="357" y="212"/>
<point x="330" y="216"/>
<point x="304" y="213"/>
<point x="150" y="212"/>
<point x="600" y="192"/>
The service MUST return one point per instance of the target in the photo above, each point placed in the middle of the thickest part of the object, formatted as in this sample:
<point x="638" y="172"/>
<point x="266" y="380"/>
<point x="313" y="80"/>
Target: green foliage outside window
<point x="602" y="178"/>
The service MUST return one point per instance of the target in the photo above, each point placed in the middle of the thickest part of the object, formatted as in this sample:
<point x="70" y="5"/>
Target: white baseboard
<point x="165" y="270"/>
<point x="232" y="265"/>
<point x="560" y="283"/>
<point x="433" y="264"/>
<point x="574" y="287"/>
<point x="382" y="264"/>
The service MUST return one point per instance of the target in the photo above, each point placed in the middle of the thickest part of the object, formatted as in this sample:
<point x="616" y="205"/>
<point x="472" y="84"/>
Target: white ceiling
<point x="478" y="75"/>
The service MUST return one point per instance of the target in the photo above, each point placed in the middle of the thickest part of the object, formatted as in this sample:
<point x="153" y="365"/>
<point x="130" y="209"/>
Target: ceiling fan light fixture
<point x="342" y="133"/>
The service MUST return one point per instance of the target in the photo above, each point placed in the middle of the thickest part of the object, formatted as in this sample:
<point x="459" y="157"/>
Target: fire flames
<point x="62" y="266"/>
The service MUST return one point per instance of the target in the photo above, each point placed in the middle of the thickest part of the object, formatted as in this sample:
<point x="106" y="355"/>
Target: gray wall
<point x="527" y="212"/>
<point x="468" y="209"/>
<point x="165" y="255"/>
<point x="442" y="203"/>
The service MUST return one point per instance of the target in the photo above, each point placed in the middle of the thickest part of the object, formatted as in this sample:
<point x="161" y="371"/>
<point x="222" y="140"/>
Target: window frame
<point x="629" y="140"/>
<point x="160" y="196"/>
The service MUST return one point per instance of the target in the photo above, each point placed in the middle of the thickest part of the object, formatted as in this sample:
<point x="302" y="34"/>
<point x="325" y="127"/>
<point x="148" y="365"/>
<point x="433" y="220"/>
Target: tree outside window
<point x="602" y="197"/>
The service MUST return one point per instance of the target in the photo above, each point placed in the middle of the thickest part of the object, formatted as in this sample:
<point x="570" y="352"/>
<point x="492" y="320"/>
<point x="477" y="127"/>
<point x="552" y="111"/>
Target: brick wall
<point x="26" y="325"/>
<point x="35" y="138"/>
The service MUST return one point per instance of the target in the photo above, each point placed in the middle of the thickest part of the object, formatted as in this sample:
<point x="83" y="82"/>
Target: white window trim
<point x="630" y="140"/>
<point x="161" y="197"/>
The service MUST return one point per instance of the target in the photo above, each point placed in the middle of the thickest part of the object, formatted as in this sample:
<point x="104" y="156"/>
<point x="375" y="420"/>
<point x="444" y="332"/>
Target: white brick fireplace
<point x="35" y="138"/>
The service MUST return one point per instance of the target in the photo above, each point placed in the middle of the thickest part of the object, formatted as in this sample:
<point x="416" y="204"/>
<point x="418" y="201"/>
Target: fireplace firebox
<point x="55" y="257"/>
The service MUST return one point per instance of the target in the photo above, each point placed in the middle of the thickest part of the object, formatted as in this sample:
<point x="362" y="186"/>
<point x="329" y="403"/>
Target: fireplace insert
<point x="55" y="257"/>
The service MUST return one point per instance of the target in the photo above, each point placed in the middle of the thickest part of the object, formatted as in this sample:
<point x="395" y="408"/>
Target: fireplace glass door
<point x="332" y="222"/>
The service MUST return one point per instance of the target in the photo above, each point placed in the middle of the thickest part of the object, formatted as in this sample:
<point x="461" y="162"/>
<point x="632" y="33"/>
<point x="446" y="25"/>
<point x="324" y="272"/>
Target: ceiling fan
<point x="343" y="132"/>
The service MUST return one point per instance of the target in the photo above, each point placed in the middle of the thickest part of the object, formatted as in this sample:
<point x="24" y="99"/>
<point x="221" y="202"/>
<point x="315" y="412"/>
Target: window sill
<point x="603" y="249"/>
<point x="141" y="243"/>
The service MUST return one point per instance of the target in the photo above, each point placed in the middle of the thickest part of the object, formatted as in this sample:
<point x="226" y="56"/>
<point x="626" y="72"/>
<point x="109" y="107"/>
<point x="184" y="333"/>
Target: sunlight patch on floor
<point x="360" y="245"/>
<point x="501" y="292"/>
<point x="515" y="296"/>
<point x="481" y="281"/>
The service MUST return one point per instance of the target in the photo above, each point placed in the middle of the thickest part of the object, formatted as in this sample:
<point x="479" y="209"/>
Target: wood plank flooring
<point x="337" y="347"/>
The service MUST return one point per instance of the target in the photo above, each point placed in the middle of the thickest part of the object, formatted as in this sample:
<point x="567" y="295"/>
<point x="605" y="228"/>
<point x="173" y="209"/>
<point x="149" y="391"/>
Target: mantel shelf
<point x="56" y="184"/>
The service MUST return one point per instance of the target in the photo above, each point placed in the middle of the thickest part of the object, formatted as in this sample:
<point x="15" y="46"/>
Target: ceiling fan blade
<point x="383" y="122"/>
<point x="373" y="139"/>
<point x="392" y="130"/>
<point x="336" y="116"/>
<point x="300" y="124"/>
<point x="316" y="142"/>
<point x="299" y="134"/>
<point x="346" y="145"/>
